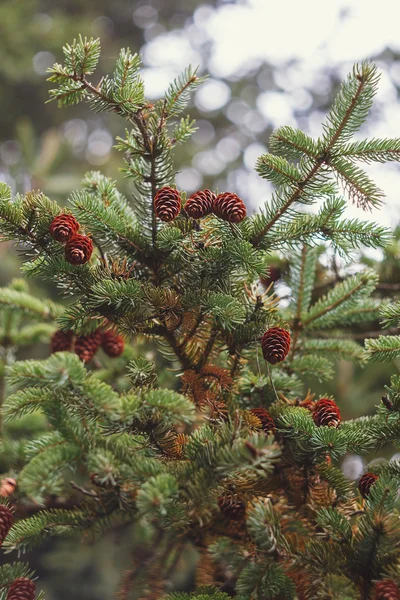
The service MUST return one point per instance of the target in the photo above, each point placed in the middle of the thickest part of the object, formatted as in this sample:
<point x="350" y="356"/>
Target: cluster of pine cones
<point x="86" y="346"/>
<point x="227" y="206"/>
<point x="78" y="248"/>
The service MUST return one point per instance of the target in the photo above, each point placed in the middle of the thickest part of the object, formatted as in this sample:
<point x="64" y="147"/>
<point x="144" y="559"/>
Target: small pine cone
<point x="86" y="346"/>
<point x="267" y="422"/>
<point x="230" y="207"/>
<point x="200" y="204"/>
<point x="79" y="250"/>
<point x="6" y="519"/>
<point x="326" y="413"/>
<point x="61" y="341"/>
<point x="22" y="589"/>
<point x="275" y="344"/>
<point x="386" y="590"/>
<point x="366" y="482"/>
<point x="232" y="508"/>
<point x="7" y="487"/>
<point x="112" y="343"/>
<point x="167" y="204"/>
<point x="63" y="228"/>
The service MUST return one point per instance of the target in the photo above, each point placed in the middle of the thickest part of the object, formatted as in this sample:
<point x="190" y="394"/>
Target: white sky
<point x="320" y="34"/>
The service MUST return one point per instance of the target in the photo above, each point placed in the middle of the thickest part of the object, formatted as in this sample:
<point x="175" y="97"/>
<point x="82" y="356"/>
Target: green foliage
<point x="184" y="457"/>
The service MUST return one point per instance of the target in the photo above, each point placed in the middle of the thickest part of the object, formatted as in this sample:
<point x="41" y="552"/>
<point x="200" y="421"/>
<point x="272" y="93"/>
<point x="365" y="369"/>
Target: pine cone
<point x="230" y="207"/>
<point x="365" y="483"/>
<point x="200" y="204"/>
<point x="267" y="422"/>
<point x="232" y="508"/>
<point x="386" y="590"/>
<point x="6" y="519"/>
<point x="79" y="250"/>
<point x="275" y="344"/>
<point x="326" y="413"/>
<point x="112" y="343"/>
<point x="21" y="589"/>
<point x="86" y="346"/>
<point x="7" y="487"/>
<point x="61" y="341"/>
<point x="63" y="228"/>
<point x="167" y="204"/>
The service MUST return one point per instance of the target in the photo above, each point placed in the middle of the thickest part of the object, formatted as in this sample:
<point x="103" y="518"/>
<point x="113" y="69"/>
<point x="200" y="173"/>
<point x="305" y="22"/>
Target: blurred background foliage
<point x="44" y="148"/>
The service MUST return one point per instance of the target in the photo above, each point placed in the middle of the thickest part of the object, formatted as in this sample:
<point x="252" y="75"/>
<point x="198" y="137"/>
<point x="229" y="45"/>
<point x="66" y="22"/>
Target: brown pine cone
<point x="79" y="250"/>
<point x="232" y="508"/>
<point x="86" y="346"/>
<point x="167" y="204"/>
<point x="200" y="204"/>
<point x="63" y="228"/>
<point x="230" y="207"/>
<point x="325" y="412"/>
<point x="275" y="344"/>
<point x="267" y="422"/>
<point x="112" y="343"/>
<point x="21" y="589"/>
<point x="366" y="482"/>
<point x="6" y="519"/>
<point x="386" y="590"/>
<point x="7" y="487"/>
<point x="61" y="341"/>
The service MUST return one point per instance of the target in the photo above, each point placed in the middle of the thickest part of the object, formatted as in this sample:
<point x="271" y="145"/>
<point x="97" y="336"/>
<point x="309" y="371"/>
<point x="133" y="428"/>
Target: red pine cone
<point x="325" y="412"/>
<point x="79" y="250"/>
<point x="21" y="589"/>
<point x="6" y="519"/>
<point x="366" y="482"/>
<point x="386" y="590"/>
<point x="63" y="228"/>
<point x="267" y="422"/>
<point x="61" y="341"/>
<point x="200" y="204"/>
<point x="275" y="344"/>
<point x="167" y="204"/>
<point x="112" y="343"/>
<point x="230" y="207"/>
<point x="7" y="486"/>
<point x="232" y="508"/>
<point x="86" y="346"/>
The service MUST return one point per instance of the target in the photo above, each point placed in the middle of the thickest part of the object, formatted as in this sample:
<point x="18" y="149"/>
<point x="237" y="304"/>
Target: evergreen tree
<point x="230" y="455"/>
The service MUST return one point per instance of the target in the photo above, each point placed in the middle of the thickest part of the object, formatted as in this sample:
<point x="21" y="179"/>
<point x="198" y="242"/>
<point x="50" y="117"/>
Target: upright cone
<point x="61" y="341"/>
<point x="366" y="482"/>
<point x="230" y="207"/>
<point x="386" y="590"/>
<point x="112" y="343"/>
<point x="86" y="346"/>
<point x="63" y="228"/>
<point x="200" y="204"/>
<point x="21" y="589"/>
<point x="167" y="204"/>
<point x="275" y="344"/>
<point x="326" y="413"/>
<point x="6" y="520"/>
